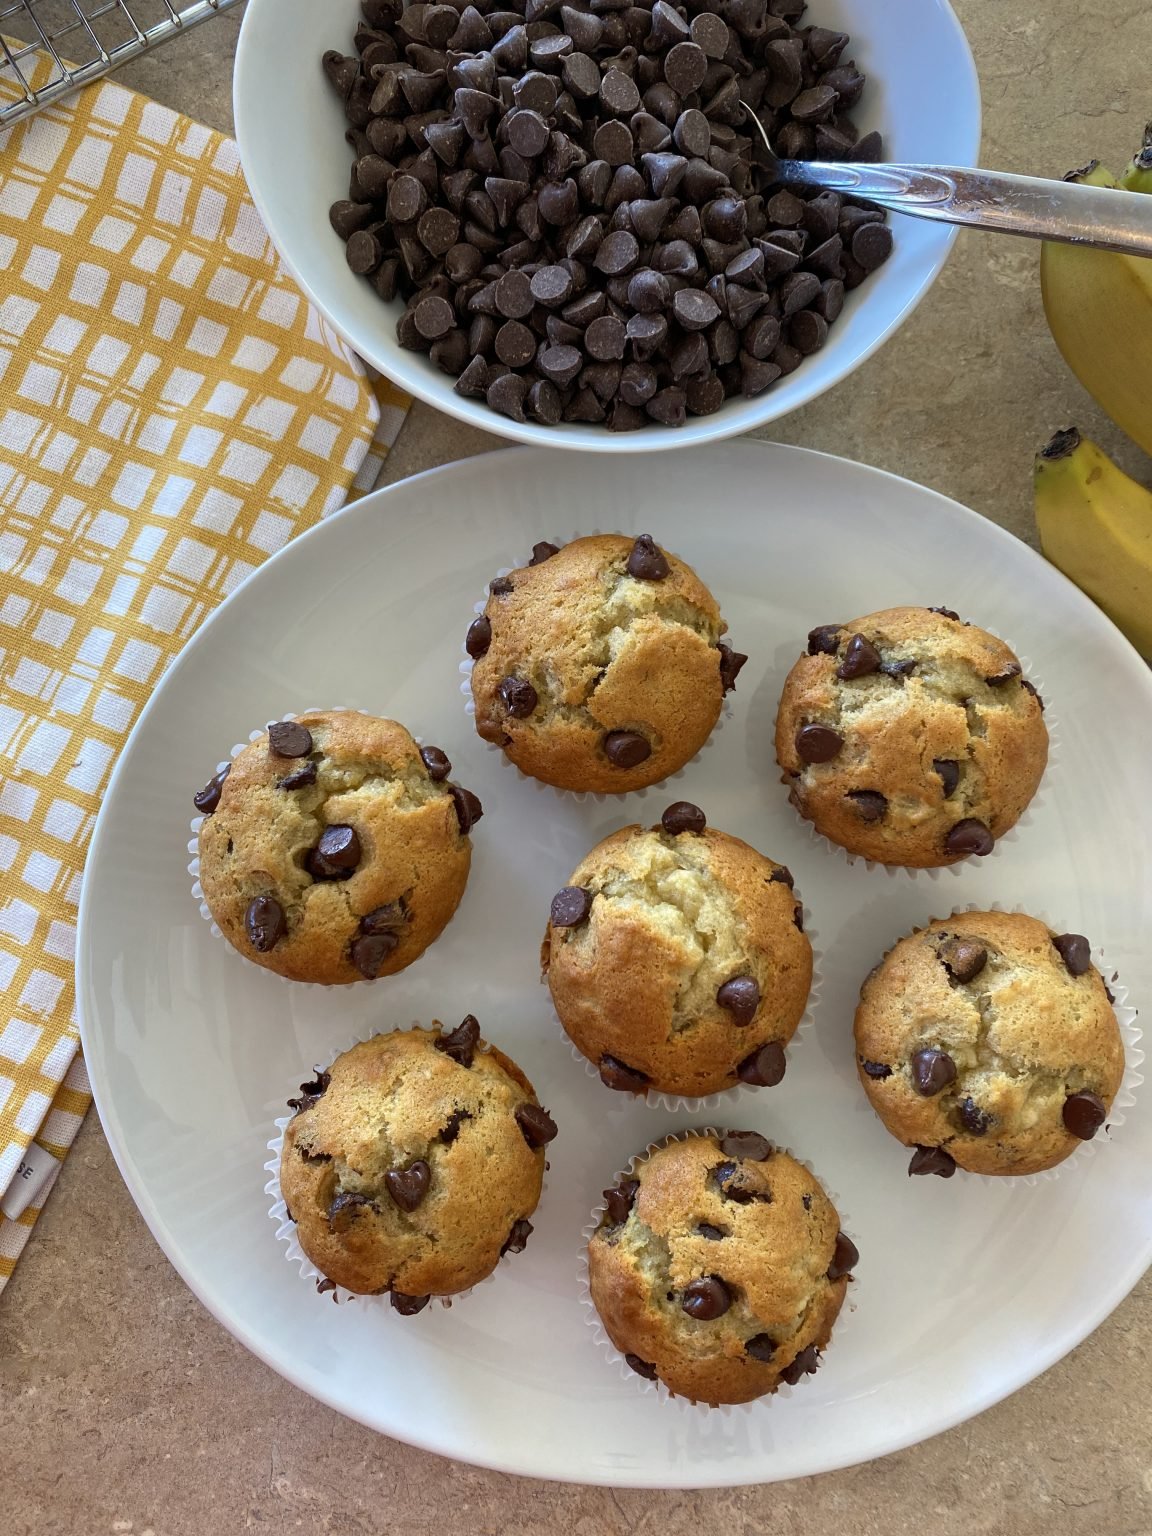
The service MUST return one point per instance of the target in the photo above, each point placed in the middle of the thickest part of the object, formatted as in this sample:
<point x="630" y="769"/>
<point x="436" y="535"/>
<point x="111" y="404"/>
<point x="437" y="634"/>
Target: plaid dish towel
<point x="172" y="411"/>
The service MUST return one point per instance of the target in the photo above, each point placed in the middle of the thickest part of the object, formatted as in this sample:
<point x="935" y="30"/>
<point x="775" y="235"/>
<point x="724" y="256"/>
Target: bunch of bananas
<point x="1095" y="521"/>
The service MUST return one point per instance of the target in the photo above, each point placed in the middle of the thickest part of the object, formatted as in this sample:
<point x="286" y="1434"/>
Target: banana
<point x="1099" y="309"/>
<point x="1096" y="526"/>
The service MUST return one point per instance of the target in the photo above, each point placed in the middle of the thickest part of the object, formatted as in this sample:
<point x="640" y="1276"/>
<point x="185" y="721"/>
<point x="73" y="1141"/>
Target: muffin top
<point x="676" y="958"/>
<point x="909" y="737"/>
<point x="599" y="666"/>
<point x="333" y="849"/>
<point x="719" y="1267"/>
<point x="414" y="1162"/>
<point x="989" y="1043"/>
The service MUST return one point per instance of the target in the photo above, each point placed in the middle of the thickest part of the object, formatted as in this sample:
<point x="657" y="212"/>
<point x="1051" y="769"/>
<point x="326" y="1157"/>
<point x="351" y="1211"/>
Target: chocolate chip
<point x="932" y="1071"/>
<point x="641" y="1367"/>
<point x="345" y="1207"/>
<point x="626" y="749"/>
<point x="460" y="1043"/>
<point x="518" y="696"/>
<point x="207" y="799"/>
<point x="946" y="613"/>
<point x="408" y="1186"/>
<point x="740" y="997"/>
<point x="875" y="1070"/>
<point x="310" y="1091"/>
<point x="685" y="66"/>
<point x="1010" y="673"/>
<point x="763" y="1068"/>
<point x="949" y="772"/>
<point x="618" y="1202"/>
<point x="926" y="1160"/>
<point x="614" y="1074"/>
<point x="1031" y="688"/>
<point x="963" y="959"/>
<point x="706" y="1299"/>
<point x="1084" y="1113"/>
<point x="683" y="816"/>
<point x="974" y="1120"/>
<point x="536" y="1125"/>
<point x="824" y="640"/>
<point x="468" y="807"/>
<point x="479" y="637"/>
<point x="860" y="658"/>
<point x="618" y="253"/>
<point x="265" y="923"/>
<point x="408" y="1306"/>
<point x="845" y="1257"/>
<point x="299" y="778"/>
<point x="369" y="951"/>
<point x="1075" y="951"/>
<point x="872" y="245"/>
<point x="782" y="875"/>
<point x="713" y="1234"/>
<point x="760" y="1346"/>
<point x="970" y="836"/>
<point x="517" y="1239"/>
<point x="805" y="1364"/>
<point x="288" y="738"/>
<point x="818" y="743"/>
<point x="570" y="907"/>
<point x="746" y="1145"/>
<point x="336" y="855"/>
<point x="731" y="665"/>
<point x="871" y="806"/>
<point x="646" y="561"/>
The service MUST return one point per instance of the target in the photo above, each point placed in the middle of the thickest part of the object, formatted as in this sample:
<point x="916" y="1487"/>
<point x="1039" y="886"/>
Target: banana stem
<point x="1062" y="445"/>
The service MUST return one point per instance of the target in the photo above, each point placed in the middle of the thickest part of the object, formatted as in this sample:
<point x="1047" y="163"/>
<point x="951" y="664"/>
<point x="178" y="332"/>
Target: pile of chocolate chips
<point x="568" y="197"/>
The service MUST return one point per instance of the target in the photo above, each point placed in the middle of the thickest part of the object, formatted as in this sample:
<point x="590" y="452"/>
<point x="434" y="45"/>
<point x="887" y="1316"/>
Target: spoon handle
<point x="1103" y="217"/>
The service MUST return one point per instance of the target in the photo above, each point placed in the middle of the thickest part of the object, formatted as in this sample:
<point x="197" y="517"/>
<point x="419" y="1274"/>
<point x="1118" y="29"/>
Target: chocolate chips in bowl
<point x="568" y="198"/>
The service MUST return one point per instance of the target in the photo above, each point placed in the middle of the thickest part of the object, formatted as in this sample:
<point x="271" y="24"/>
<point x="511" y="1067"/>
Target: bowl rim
<point x="410" y="377"/>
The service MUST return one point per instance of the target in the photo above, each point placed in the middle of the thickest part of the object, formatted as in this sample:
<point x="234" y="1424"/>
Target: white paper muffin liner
<point x="286" y="1227"/>
<point x="194" y="865"/>
<point x="467" y="663"/>
<point x="641" y="1384"/>
<point x="729" y="1098"/>
<point x="1009" y="838"/>
<point x="1131" y="1036"/>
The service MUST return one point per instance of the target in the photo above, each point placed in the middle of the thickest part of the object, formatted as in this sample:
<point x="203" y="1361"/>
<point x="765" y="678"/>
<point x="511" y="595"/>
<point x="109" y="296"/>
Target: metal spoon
<point x="1106" y="218"/>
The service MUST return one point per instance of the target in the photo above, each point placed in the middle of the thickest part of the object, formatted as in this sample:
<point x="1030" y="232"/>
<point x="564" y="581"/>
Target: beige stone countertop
<point x="126" y="1410"/>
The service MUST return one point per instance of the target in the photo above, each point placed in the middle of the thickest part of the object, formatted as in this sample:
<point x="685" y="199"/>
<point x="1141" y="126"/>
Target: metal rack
<point x="81" y="40"/>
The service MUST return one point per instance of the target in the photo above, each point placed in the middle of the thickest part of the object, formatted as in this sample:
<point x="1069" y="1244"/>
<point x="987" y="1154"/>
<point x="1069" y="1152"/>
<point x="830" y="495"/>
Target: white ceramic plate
<point x="966" y="1289"/>
<point x="923" y="94"/>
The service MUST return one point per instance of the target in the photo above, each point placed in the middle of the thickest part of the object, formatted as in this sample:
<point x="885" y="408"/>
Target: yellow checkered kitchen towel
<point x="172" y="411"/>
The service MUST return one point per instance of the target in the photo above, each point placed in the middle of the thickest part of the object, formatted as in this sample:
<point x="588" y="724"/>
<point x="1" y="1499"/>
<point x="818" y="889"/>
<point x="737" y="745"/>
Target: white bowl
<point x="922" y="94"/>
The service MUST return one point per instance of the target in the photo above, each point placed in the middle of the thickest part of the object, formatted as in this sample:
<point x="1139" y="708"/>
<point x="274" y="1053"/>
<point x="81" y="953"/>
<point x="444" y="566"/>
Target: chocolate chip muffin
<point x="676" y="959"/>
<point x="413" y="1164"/>
<point x="600" y="666"/>
<point x="719" y="1267"/>
<point x="987" y="1042"/>
<point x="333" y="849"/>
<point x="909" y="737"/>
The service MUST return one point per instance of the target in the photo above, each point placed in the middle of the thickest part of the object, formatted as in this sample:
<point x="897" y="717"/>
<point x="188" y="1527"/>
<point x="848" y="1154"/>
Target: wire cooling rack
<point x="83" y="39"/>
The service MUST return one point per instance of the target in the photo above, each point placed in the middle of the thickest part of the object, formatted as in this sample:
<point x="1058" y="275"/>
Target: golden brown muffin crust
<point x="958" y="738"/>
<point x="414" y="857"/>
<point x="772" y="1241"/>
<point x="1023" y="1033"/>
<point x="673" y="918"/>
<point x="604" y="652"/>
<point x="383" y="1106"/>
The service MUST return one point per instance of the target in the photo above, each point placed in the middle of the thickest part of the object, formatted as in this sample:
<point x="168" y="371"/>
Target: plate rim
<point x="1121" y="1283"/>
<point x="707" y="429"/>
